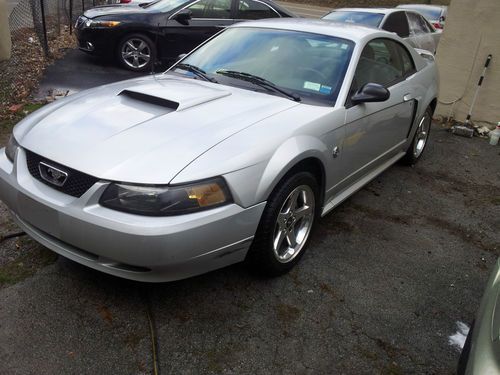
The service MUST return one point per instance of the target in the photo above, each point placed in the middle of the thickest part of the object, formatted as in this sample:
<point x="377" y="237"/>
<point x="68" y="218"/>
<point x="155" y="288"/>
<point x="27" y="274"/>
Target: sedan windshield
<point x="165" y="5"/>
<point x="297" y="65"/>
<point x="362" y="18"/>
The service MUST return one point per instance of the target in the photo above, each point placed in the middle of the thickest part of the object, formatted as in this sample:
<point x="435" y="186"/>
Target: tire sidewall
<point x="410" y="158"/>
<point x="261" y="254"/>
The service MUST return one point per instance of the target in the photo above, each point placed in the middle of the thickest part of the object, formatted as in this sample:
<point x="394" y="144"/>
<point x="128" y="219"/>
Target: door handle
<point x="407" y="97"/>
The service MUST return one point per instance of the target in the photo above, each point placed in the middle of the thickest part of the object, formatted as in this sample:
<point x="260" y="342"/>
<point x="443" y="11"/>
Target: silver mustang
<point x="232" y="154"/>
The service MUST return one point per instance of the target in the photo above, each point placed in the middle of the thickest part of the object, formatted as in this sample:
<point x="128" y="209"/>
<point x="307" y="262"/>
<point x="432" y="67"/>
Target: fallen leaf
<point x="106" y="314"/>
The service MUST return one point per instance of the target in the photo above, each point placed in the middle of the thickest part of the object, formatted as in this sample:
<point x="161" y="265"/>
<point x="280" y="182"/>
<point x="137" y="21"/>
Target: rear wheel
<point x="285" y="226"/>
<point x="420" y="138"/>
<point x="136" y="52"/>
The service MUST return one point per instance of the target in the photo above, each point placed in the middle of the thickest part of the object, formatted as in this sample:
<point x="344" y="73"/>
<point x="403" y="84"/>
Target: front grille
<point x="76" y="184"/>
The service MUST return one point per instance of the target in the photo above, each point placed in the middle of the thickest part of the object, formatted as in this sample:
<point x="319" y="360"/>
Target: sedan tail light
<point x="436" y="25"/>
<point x="125" y="1"/>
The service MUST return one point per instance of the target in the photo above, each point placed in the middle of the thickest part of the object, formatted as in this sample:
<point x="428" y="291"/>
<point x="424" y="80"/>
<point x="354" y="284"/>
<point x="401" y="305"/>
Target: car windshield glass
<point x="363" y="18"/>
<point x="429" y="13"/>
<point x="310" y="66"/>
<point x="165" y="5"/>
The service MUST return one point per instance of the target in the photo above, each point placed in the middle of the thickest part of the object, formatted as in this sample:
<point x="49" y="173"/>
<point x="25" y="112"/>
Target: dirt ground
<point x="387" y="277"/>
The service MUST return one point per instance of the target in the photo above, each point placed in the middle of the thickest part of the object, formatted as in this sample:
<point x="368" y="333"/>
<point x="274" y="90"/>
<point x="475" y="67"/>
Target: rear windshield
<point x="429" y="13"/>
<point x="363" y="18"/>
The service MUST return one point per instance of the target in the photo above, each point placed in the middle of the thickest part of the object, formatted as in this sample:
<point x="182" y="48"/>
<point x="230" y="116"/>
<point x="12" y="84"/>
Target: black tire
<point x="464" y="355"/>
<point x="135" y="40"/>
<point x="261" y="256"/>
<point x="411" y="157"/>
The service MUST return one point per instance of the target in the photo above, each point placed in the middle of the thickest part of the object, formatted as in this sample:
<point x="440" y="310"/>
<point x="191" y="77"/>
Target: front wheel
<point x="136" y="52"/>
<point x="285" y="226"/>
<point x="420" y="138"/>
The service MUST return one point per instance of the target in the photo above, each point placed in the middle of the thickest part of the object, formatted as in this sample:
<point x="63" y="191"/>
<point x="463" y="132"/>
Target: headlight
<point x="166" y="200"/>
<point x="92" y="23"/>
<point x="11" y="148"/>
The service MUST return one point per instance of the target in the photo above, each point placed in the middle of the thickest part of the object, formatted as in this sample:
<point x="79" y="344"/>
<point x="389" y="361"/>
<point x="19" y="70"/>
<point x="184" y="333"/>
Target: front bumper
<point x="153" y="249"/>
<point x="484" y="355"/>
<point x="97" y="41"/>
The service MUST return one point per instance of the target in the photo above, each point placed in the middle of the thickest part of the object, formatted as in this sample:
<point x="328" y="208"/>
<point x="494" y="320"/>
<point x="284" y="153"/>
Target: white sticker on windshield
<point x="344" y="46"/>
<point x="312" y="86"/>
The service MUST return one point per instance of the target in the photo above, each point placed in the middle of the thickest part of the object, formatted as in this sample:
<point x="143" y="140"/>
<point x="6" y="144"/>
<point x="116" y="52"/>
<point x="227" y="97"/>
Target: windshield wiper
<point x="259" y="81"/>
<point x="196" y="71"/>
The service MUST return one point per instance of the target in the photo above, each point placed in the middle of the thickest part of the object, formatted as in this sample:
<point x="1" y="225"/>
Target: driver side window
<point x="218" y="9"/>
<point x="382" y="61"/>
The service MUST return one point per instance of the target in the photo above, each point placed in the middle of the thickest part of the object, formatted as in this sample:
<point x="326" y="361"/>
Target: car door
<point x="376" y="131"/>
<point x="254" y="10"/>
<point x="420" y="34"/>
<point x="208" y="18"/>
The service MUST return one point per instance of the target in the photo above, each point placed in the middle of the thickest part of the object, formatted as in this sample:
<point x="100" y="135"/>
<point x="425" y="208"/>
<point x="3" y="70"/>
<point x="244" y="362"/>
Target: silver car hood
<point x="145" y="130"/>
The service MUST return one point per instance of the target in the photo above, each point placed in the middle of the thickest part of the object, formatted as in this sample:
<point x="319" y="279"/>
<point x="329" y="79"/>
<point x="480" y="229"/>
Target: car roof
<point x="421" y="6"/>
<point x="354" y="32"/>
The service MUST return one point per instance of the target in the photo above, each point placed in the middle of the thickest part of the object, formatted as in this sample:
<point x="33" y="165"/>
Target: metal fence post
<point x="70" y="16"/>
<point x="45" y="43"/>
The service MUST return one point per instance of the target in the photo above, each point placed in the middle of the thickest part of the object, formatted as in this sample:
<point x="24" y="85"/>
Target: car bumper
<point x="483" y="357"/>
<point x="99" y="42"/>
<point x="152" y="249"/>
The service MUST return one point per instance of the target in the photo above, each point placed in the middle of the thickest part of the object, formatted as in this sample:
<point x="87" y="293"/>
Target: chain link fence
<point x="40" y="31"/>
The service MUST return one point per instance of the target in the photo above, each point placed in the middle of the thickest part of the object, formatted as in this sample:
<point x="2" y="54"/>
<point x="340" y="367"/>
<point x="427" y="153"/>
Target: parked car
<point x="163" y="29"/>
<point x="225" y="157"/>
<point x="409" y="25"/>
<point x="435" y="14"/>
<point x="481" y="352"/>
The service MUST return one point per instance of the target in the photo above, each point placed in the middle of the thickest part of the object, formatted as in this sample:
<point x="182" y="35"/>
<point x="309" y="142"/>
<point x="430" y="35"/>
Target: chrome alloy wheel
<point x="294" y="223"/>
<point x="422" y="135"/>
<point x="136" y="53"/>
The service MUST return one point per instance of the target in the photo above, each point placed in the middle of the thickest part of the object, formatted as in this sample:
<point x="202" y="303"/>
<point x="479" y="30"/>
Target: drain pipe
<point x="467" y="120"/>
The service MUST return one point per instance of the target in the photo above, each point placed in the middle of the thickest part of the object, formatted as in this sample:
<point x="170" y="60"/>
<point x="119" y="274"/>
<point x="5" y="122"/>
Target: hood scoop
<point x="175" y="94"/>
<point x="150" y="99"/>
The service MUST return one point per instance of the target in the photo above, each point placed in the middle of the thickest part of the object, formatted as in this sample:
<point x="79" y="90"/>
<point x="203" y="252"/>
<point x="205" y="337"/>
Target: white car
<point x="409" y="25"/>
<point x="233" y="154"/>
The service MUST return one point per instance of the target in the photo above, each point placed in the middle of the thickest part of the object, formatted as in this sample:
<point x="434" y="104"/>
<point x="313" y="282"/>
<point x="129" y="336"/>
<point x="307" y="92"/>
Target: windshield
<point x="165" y="5"/>
<point x="311" y="66"/>
<point x="363" y="18"/>
<point x="429" y="13"/>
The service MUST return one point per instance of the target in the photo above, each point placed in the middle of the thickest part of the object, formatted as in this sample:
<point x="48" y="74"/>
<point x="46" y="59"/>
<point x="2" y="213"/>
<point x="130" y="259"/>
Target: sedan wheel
<point x="136" y="52"/>
<point x="285" y="226"/>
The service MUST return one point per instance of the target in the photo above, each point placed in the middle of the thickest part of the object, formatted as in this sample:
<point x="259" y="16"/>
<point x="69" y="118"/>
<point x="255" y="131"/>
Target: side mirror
<point x="371" y="92"/>
<point x="183" y="16"/>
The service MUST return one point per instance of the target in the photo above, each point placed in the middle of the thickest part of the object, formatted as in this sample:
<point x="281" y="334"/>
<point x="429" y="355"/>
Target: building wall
<point x="472" y="32"/>
<point x="5" y="43"/>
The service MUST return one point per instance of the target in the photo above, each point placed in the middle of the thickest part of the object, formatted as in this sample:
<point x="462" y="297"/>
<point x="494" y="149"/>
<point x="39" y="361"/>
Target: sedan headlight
<point x="92" y="23"/>
<point x="11" y="148"/>
<point x="166" y="200"/>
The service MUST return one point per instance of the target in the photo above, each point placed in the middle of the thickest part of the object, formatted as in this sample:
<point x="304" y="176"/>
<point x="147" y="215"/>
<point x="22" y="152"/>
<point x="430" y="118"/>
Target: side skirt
<point x="343" y="195"/>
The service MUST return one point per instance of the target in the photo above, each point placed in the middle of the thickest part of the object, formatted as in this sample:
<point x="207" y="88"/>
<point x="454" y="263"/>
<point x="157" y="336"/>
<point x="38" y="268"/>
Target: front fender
<point x="289" y="154"/>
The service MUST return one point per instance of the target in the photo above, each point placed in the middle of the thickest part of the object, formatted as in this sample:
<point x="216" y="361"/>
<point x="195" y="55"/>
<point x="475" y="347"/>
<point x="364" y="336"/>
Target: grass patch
<point x="8" y="122"/>
<point x="30" y="260"/>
